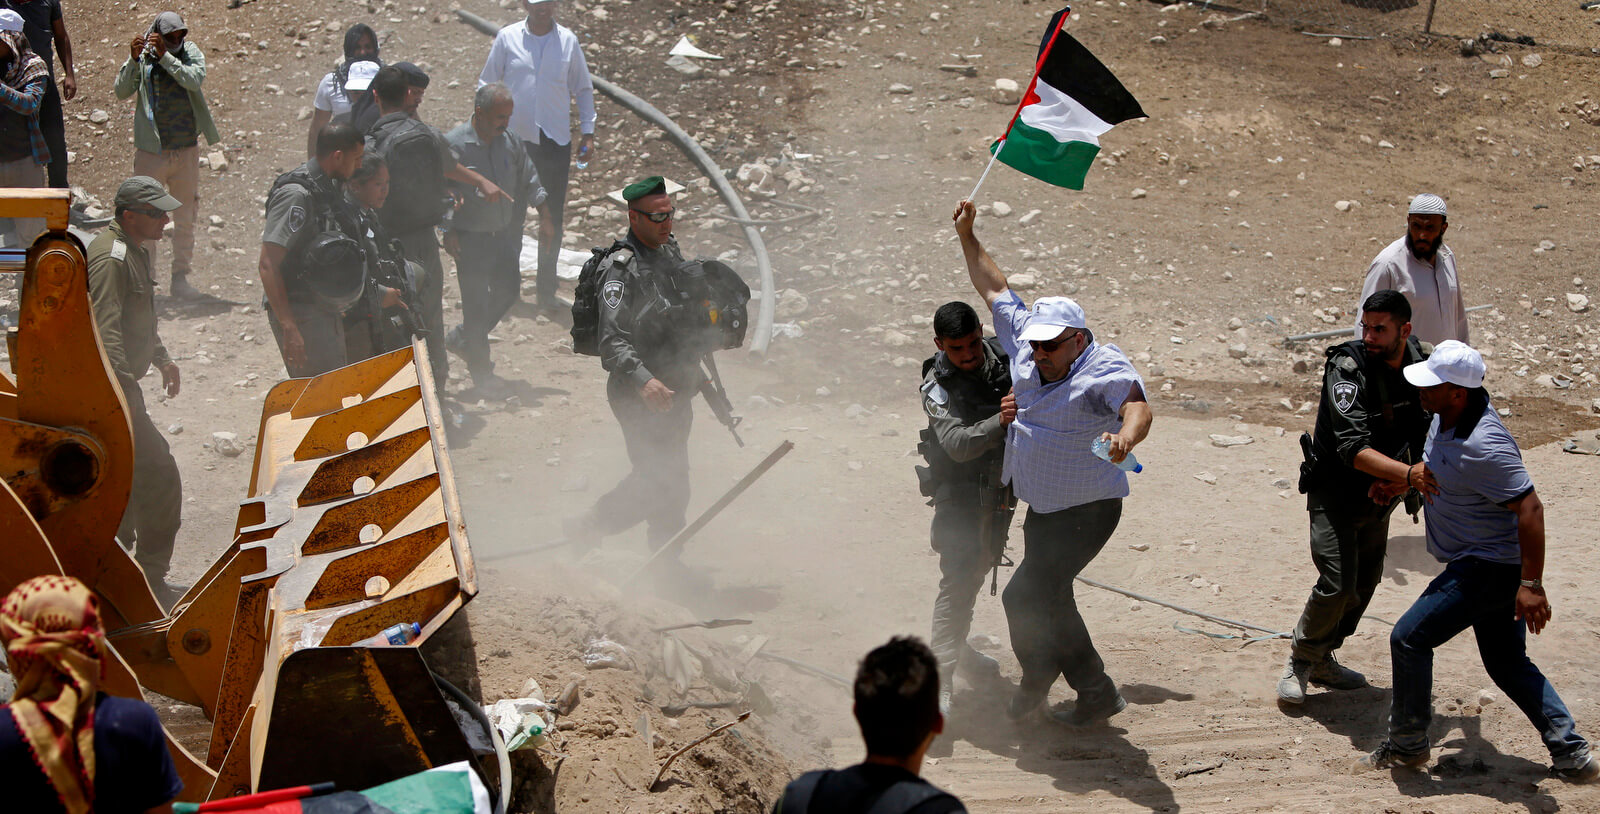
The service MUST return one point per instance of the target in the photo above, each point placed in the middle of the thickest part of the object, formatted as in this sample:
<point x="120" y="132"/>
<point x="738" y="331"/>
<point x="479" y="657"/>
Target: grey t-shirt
<point x="1479" y="470"/>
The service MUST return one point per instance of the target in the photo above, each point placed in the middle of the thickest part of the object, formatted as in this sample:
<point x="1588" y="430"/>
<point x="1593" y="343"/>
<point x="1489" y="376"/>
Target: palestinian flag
<point x="1072" y="100"/>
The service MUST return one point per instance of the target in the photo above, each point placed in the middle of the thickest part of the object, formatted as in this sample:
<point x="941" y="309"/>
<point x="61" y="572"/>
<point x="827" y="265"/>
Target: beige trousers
<point x="180" y="171"/>
<point x="24" y="173"/>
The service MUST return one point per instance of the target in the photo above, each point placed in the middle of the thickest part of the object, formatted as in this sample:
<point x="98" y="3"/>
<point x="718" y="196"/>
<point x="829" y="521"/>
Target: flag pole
<point x="992" y="156"/>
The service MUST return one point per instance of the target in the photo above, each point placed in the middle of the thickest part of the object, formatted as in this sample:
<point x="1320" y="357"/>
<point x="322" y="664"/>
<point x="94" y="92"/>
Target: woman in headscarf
<point x="64" y="745"/>
<point x="23" y="153"/>
<point x="360" y="45"/>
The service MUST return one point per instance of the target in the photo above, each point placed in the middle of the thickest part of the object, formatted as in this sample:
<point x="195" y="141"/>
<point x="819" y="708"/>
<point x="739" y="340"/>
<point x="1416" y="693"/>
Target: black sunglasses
<point x="1052" y="345"/>
<point x="655" y="217"/>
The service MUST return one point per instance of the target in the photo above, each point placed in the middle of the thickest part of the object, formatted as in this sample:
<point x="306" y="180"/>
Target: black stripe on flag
<point x="1071" y="69"/>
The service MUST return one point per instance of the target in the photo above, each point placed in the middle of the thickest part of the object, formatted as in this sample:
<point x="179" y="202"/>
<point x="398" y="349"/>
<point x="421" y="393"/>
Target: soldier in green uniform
<point x="964" y="387"/>
<point x="122" y="294"/>
<point x="654" y="377"/>
<point x="1370" y="431"/>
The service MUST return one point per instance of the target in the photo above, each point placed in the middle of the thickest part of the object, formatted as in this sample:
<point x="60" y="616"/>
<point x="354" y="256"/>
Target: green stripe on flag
<point x="1039" y="154"/>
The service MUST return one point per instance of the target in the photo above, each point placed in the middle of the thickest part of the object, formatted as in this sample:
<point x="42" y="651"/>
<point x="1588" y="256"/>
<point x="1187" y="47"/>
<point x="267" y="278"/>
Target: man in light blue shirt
<point x="542" y="63"/>
<point x="1068" y="391"/>
<point x="1487" y="525"/>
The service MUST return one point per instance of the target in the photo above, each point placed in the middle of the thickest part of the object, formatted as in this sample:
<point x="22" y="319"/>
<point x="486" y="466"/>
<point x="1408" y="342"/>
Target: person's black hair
<point x="897" y="697"/>
<point x="1389" y="301"/>
<point x="371" y="162"/>
<point x="352" y="40"/>
<point x="390" y="85"/>
<point x="954" y="320"/>
<point x="337" y="137"/>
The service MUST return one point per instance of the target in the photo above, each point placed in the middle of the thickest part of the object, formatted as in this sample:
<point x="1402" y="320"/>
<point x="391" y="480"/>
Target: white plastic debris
<point x="685" y="48"/>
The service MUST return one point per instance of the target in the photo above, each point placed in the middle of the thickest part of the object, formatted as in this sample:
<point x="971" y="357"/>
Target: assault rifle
<point x="717" y="399"/>
<point x="996" y="505"/>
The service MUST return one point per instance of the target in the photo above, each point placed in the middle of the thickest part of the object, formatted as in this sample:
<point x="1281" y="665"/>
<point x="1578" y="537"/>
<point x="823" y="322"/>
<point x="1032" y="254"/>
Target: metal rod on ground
<point x="806" y="668"/>
<point x="1289" y="340"/>
<point x="691" y="148"/>
<point x="1181" y="609"/>
<point x="705" y="517"/>
<point x="1427" y="24"/>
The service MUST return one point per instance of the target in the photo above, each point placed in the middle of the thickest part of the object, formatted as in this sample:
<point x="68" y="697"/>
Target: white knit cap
<point x="10" y="20"/>
<point x="1426" y="204"/>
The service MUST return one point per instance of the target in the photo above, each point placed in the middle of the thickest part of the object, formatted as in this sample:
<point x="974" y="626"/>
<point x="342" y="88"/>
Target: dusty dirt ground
<point x="1206" y="231"/>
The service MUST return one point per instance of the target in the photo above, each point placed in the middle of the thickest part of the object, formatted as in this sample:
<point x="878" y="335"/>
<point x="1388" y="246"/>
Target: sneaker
<point x="181" y="290"/>
<point x="1586" y="770"/>
<point x="1335" y="676"/>
<point x="1292" y="684"/>
<point x="1025" y="703"/>
<point x="1388" y="757"/>
<point x="1090" y="709"/>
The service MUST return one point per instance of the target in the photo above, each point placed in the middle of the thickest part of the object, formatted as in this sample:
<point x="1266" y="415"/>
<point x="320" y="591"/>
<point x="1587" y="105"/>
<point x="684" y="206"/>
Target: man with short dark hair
<point x="1370" y="429"/>
<point x="963" y="386"/>
<point x="1486" y="524"/>
<point x="122" y="294"/>
<point x="1070" y="393"/>
<point x="1422" y="268"/>
<point x="420" y="160"/>
<point x="486" y="238"/>
<point x="897" y="708"/>
<point x="304" y="204"/>
<point x="167" y="71"/>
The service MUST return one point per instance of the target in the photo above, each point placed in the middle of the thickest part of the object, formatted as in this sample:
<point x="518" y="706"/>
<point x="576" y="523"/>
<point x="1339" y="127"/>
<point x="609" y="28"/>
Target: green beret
<point x="654" y="185"/>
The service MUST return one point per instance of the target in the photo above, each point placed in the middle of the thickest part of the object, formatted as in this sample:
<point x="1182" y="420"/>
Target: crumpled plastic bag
<point x="522" y="722"/>
<point x="603" y="652"/>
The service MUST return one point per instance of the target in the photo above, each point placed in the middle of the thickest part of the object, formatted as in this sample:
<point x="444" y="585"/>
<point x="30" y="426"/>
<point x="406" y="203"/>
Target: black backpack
<point x="586" y="301"/>
<point x="417" y="195"/>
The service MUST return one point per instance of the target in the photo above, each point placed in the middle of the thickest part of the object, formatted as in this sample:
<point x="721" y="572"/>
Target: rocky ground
<point x="1243" y="211"/>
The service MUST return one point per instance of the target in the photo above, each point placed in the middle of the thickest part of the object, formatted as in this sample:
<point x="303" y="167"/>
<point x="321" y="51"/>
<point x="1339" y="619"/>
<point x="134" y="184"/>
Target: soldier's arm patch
<point x="1344" y="396"/>
<point x="935" y="401"/>
<point x="611" y="294"/>
<point x="119" y="250"/>
<point x="297" y="218"/>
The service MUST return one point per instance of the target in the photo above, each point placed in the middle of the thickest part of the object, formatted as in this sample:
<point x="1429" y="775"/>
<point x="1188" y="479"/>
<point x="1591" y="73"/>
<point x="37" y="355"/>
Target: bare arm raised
<point x="986" y="276"/>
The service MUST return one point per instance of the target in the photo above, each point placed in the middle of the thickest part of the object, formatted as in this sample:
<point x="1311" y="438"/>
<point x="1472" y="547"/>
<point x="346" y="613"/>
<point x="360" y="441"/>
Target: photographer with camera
<point x="167" y="71"/>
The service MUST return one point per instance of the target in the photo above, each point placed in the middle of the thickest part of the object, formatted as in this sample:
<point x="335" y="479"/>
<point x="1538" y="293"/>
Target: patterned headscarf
<point x="51" y="629"/>
<point x="24" y="65"/>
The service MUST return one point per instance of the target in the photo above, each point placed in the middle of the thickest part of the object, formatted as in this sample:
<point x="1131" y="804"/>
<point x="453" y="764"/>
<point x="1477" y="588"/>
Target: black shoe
<point x="1025" y="702"/>
<point x="181" y="290"/>
<point x="1090" y="709"/>
<point x="491" y="387"/>
<point x="1388" y="757"/>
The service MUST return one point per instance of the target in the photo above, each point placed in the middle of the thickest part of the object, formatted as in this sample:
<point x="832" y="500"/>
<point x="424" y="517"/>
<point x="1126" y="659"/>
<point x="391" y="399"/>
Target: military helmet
<point x="336" y="269"/>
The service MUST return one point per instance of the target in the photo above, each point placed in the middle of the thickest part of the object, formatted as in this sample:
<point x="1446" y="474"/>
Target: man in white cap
<point x="1069" y="391"/>
<point x="1487" y="525"/>
<point x="1421" y="267"/>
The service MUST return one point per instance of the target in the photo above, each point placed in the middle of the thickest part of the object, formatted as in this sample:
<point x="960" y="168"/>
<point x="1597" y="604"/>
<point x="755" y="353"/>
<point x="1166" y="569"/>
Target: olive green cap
<point x="144" y="190"/>
<point x="654" y="185"/>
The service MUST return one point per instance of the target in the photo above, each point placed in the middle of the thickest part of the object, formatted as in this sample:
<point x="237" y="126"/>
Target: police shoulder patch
<point x="297" y="218"/>
<point x="611" y="294"/>
<point x="119" y="250"/>
<point x="935" y="401"/>
<point x="1344" y="396"/>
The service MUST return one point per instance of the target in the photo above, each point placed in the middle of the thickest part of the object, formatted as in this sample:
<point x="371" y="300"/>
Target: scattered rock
<point x="99" y="117"/>
<point x="1238" y="351"/>
<point x="1138" y="192"/>
<point x="1005" y="92"/>
<point x="1225" y="441"/>
<point x="1532" y="60"/>
<point x="1140" y="546"/>
<point x="1344" y="206"/>
<point x="174" y="429"/>
<point x="1206" y="478"/>
<point x="1577" y="303"/>
<point x="1335" y="42"/>
<point x="900" y="89"/>
<point x="855" y="411"/>
<point x="1000" y="209"/>
<point x="1282" y="483"/>
<point x="791" y="304"/>
<point x="226" y="444"/>
<point x="684" y="65"/>
<point x="1499" y="73"/>
<point x="217" y="161"/>
<point x="1022" y="282"/>
<point x="1485" y="698"/>
<point x="1033" y="215"/>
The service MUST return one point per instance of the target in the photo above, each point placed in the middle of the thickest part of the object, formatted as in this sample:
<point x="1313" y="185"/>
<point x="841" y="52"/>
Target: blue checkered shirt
<point x="1048" y="462"/>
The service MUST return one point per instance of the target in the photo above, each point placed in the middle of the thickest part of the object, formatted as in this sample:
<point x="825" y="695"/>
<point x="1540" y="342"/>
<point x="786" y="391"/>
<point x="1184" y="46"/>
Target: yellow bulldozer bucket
<point x="351" y="524"/>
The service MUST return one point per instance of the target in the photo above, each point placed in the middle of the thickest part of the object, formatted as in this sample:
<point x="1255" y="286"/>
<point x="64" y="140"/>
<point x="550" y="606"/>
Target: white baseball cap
<point x="1451" y="361"/>
<point x="10" y="20"/>
<point x="1051" y="316"/>
<point x="359" y="77"/>
<point x="1426" y="204"/>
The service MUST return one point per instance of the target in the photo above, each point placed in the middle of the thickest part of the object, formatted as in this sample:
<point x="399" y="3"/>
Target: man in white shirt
<point x="1422" y="268"/>
<point x="544" y="67"/>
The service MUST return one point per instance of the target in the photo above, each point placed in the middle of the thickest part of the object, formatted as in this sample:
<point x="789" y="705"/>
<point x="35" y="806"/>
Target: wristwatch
<point x="1532" y="583"/>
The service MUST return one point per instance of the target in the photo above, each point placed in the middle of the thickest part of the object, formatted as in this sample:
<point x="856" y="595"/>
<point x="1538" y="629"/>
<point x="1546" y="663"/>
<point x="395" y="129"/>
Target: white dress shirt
<point x="545" y="74"/>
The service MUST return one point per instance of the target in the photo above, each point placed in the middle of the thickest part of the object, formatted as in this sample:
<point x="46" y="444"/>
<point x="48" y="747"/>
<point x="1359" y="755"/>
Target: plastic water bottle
<point x="401" y="634"/>
<point x="1102" y="450"/>
<point x="583" y="156"/>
